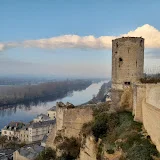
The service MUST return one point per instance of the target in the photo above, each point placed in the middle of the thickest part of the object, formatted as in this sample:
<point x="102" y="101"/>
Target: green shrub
<point x="58" y="138"/>
<point x="131" y="139"/>
<point x="47" y="154"/>
<point x="138" y="153"/>
<point x="151" y="148"/>
<point x="99" y="127"/>
<point x="113" y="121"/>
<point x="87" y="128"/>
<point x="120" y="126"/>
<point x="110" y="151"/>
<point x="100" y="108"/>
<point x="99" y="153"/>
<point x="70" y="148"/>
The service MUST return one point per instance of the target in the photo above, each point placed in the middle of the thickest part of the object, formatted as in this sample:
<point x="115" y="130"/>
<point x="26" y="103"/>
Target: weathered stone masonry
<point x="127" y="70"/>
<point x="69" y="121"/>
<point x="127" y="64"/>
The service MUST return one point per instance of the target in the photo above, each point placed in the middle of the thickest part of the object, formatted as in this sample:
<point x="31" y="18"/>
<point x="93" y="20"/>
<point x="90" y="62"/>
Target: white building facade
<point x="38" y="130"/>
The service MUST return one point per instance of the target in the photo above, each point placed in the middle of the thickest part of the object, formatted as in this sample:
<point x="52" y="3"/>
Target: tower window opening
<point x="117" y="44"/>
<point x="136" y="63"/>
<point x="120" y="61"/>
<point x="141" y="43"/>
<point x="127" y="83"/>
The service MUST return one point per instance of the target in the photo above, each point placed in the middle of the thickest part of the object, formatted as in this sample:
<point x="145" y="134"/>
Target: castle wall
<point x="153" y="94"/>
<point x="69" y="122"/>
<point x="116" y="97"/>
<point x="59" y="117"/>
<point x="139" y="93"/>
<point x="151" y="122"/>
<point x="146" y="109"/>
<point x="74" y="119"/>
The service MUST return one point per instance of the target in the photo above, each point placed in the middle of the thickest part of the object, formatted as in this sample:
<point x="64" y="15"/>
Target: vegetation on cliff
<point x="70" y="148"/>
<point x="118" y="132"/>
<point x="47" y="154"/>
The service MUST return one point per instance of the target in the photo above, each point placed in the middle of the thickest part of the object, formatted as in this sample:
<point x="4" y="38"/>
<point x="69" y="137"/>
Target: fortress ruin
<point x="127" y="64"/>
<point x="143" y="99"/>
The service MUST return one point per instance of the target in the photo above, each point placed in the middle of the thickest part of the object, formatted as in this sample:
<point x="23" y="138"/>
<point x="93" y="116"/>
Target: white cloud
<point x="71" y="41"/>
<point x="2" y="46"/>
<point x="151" y="35"/>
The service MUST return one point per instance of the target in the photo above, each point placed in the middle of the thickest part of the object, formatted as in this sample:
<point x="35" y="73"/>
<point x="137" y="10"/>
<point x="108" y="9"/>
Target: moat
<point x="26" y="113"/>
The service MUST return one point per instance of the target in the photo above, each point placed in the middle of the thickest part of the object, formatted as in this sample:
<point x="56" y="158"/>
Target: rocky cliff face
<point x="88" y="151"/>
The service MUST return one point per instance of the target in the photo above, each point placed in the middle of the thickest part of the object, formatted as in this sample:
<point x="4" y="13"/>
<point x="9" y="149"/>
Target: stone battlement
<point x="122" y="39"/>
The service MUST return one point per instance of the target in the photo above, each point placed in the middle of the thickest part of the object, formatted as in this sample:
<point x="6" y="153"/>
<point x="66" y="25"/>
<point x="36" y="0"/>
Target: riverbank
<point x="26" y="113"/>
<point x="101" y="95"/>
<point x="28" y="94"/>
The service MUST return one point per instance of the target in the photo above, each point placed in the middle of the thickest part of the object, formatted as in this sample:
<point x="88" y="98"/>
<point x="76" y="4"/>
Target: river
<point x="27" y="113"/>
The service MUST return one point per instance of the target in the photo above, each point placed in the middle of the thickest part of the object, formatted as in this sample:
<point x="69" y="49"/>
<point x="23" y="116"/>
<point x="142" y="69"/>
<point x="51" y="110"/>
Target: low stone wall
<point x="151" y="122"/>
<point x="74" y="119"/>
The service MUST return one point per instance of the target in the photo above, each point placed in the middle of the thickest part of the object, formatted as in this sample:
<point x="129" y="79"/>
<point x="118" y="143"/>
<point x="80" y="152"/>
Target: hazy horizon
<point x="73" y="39"/>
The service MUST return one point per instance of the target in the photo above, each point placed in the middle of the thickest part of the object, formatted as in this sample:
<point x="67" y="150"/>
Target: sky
<point x="73" y="38"/>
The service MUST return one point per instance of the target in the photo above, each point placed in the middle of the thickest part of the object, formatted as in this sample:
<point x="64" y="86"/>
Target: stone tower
<point x="127" y="63"/>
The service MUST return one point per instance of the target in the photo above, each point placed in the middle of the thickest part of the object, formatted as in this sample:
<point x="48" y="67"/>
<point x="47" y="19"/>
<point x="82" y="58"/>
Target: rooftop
<point x="31" y="152"/>
<point x="12" y="125"/>
<point x="43" y="116"/>
<point x="52" y="109"/>
<point x="42" y="124"/>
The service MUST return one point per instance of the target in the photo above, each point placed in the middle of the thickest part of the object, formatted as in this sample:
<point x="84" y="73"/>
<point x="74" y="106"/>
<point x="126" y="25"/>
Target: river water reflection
<point x="27" y="113"/>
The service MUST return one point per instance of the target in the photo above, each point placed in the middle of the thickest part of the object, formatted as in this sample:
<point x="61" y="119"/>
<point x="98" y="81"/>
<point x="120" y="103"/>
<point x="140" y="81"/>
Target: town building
<point x="6" y="154"/>
<point x="24" y="134"/>
<point x="28" y="152"/>
<point x="12" y="130"/>
<point x="41" y="118"/>
<point x="52" y="112"/>
<point x="38" y="130"/>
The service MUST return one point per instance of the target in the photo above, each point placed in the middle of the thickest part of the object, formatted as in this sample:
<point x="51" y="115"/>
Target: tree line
<point x="41" y="92"/>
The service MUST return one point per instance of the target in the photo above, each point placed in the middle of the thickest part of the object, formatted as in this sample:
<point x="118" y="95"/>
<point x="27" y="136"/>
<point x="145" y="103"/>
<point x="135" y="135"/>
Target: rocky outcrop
<point x="88" y="150"/>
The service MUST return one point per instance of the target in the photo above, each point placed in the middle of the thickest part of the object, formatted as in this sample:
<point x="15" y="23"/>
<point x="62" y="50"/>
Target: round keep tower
<point x="127" y="61"/>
